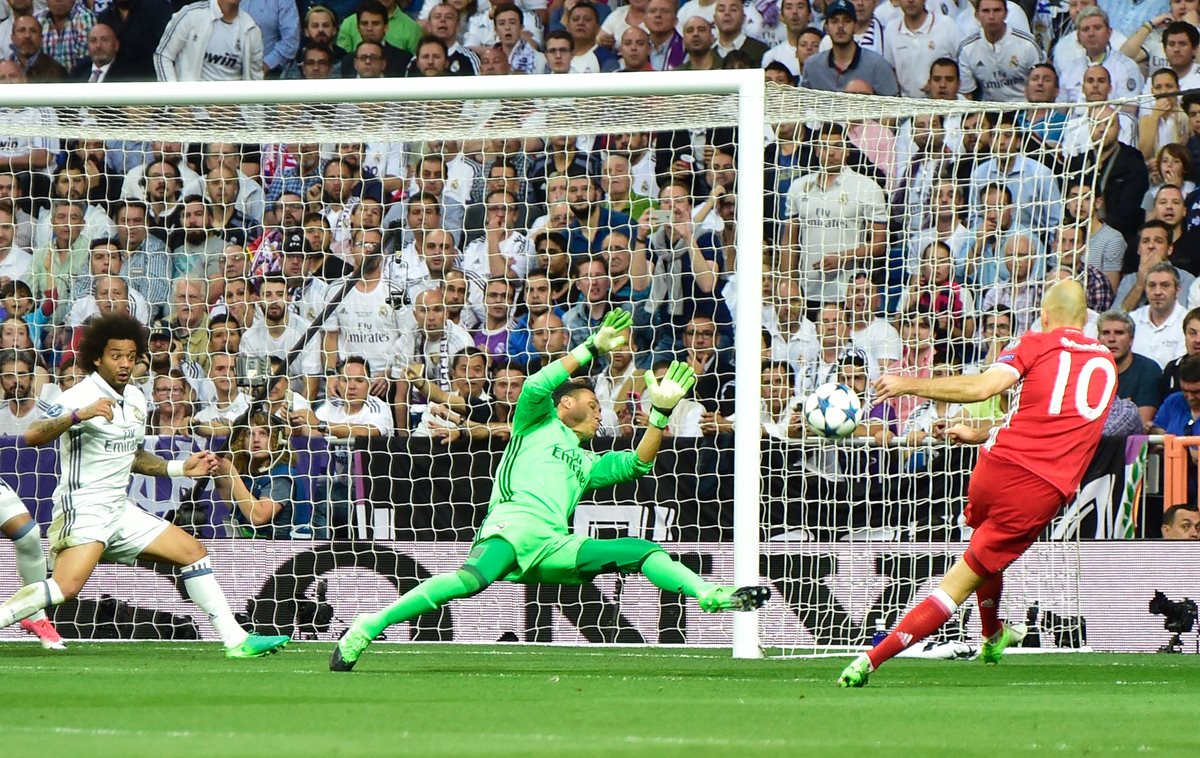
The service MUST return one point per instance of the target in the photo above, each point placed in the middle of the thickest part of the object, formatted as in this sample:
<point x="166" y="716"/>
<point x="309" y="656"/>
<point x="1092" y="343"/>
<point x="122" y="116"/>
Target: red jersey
<point x="1067" y="383"/>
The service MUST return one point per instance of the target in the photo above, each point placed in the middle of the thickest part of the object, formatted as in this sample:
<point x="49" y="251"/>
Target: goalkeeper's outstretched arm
<point x="534" y="404"/>
<point x="648" y="448"/>
<point x="664" y="394"/>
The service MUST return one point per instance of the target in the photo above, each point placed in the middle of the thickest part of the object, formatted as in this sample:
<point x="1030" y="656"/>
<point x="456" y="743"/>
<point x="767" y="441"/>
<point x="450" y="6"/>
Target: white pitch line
<point x="519" y="737"/>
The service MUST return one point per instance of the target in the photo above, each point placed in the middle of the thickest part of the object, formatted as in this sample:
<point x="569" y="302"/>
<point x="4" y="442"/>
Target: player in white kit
<point x="19" y="526"/>
<point x="103" y="418"/>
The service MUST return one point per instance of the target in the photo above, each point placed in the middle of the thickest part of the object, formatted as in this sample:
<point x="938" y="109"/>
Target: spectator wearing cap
<point x="279" y="23"/>
<point x="846" y="60"/>
<point x="190" y="51"/>
<point x="995" y="62"/>
<point x="730" y="21"/>
<point x="913" y="41"/>
<point x="139" y="25"/>
<point x="300" y="267"/>
<point x="65" y="27"/>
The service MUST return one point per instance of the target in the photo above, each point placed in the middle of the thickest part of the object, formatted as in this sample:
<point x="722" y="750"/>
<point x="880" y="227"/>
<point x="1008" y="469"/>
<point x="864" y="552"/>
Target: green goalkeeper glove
<point x="666" y="393"/>
<point x="607" y="338"/>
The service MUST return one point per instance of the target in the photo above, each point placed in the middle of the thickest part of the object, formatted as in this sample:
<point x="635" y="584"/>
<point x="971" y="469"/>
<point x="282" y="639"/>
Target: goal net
<point x="345" y="290"/>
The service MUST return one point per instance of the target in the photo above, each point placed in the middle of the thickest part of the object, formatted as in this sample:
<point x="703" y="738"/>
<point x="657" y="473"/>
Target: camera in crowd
<point x="253" y="371"/>
<point x="1178" y="618"/>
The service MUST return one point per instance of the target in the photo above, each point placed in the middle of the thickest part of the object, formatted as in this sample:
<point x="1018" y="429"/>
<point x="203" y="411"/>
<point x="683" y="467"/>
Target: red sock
<point x="916" y="625"/>
<point x="989" y="605"/>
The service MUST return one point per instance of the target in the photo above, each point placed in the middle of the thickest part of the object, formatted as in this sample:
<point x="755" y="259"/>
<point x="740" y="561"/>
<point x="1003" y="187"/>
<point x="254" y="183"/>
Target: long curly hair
<point x="239" y="444"/>
<point x="100" y="331"/>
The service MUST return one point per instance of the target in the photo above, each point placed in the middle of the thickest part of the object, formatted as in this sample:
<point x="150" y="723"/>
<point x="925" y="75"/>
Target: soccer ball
<point x="832" y="410"/>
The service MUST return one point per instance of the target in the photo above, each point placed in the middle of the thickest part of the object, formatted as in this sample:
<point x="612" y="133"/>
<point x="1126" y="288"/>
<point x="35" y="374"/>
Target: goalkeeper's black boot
<point x="722" y="599"/>
<point x="349" y="648"/>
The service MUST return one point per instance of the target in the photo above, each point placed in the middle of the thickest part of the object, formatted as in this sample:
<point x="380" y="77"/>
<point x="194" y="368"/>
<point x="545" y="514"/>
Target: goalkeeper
<point x="543" y="474"/>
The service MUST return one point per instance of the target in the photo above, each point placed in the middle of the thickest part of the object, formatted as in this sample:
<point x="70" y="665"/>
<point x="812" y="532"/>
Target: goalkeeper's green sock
<point x="669" y="574"/>
<point x="427" y="596"/>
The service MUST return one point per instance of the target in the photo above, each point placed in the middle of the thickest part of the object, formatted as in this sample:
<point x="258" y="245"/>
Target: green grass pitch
<point x="186" y="699"/>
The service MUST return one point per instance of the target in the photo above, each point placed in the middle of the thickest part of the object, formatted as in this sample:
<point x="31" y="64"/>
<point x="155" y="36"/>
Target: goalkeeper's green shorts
<point x="574" y="560"/>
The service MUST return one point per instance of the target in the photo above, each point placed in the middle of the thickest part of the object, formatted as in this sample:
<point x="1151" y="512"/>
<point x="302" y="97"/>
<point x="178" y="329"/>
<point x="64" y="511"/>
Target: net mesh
<point x="898" y="236"/>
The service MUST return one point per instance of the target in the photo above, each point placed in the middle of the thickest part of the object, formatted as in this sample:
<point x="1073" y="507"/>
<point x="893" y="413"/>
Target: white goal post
<point x="801" y="504"/>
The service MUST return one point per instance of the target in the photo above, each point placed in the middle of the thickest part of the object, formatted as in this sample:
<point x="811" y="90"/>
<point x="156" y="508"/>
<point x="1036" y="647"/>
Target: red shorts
<point x="1008" y="506"/>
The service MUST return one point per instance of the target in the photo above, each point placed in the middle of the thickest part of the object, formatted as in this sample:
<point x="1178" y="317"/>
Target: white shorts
<point x="11" y="504"/>
<point x="126" y="531"/>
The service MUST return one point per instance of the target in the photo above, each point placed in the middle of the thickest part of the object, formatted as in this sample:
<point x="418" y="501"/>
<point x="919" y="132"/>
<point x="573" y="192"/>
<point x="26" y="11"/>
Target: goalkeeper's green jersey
<point x="544" y="473"/>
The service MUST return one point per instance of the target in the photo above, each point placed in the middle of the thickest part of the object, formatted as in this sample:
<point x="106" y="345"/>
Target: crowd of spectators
<point x="434" y="277"/>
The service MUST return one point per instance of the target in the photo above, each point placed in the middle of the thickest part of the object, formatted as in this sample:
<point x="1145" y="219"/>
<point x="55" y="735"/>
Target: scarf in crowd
<point x="666" y="286"/>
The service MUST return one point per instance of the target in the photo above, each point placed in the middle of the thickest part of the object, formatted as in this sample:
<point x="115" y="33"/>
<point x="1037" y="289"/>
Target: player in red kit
<point x="1029" y="467"/>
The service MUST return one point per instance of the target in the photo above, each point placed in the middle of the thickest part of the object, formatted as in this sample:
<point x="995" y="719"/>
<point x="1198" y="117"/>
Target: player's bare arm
<point x="197" y="464"/>
<point x="47" y="430"/>
<point x="975" y="432"/>
<point x="949" y="389"/>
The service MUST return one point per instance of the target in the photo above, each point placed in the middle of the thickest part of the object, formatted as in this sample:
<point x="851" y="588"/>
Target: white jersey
<point x="258" y="342"/>
<point x="516" y="248"/>
<point x="912" y="52"/>
<point x="374" y="413"/>
<point x="1124" y="74"/>
<point x="1067" y="51"/>
<point x="998" y="72"/>
<point x="367" y="324"/>
<point x="16" y="264"/>
<point x="35" y="120"/>
<point x="308" y="300"/>
<point x="96" y="456"/>
<point x="230" y="413"/>
<point x="415" y="347"/>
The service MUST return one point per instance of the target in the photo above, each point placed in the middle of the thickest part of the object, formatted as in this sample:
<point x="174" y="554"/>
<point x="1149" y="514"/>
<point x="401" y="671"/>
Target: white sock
<point x="204" y="591"/>
<point x="31" y="561"/>
<point x="29" y="600"/>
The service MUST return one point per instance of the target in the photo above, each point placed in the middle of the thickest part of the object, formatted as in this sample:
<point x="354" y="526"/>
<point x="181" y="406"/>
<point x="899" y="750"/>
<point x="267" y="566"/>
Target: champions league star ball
<point x="832" y="410"/>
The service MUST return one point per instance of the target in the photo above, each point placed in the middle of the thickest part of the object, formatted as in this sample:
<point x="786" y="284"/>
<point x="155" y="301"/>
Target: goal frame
<point x="749" y="85"/>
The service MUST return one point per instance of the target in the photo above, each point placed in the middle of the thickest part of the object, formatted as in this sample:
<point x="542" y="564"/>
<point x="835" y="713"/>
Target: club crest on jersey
<point x="1013" y="61"/>
<point x="384" y="310"/>
<point x="138" y="414"/>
